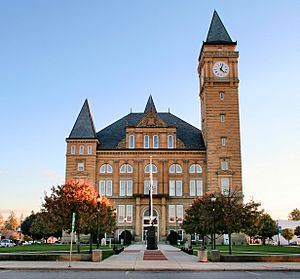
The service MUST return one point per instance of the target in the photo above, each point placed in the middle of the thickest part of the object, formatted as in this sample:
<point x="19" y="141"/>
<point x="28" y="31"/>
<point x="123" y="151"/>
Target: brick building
<point x="187" y="161"/>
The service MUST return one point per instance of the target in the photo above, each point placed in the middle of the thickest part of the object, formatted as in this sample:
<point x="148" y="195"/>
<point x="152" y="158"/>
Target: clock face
<point x="220" y="69"/>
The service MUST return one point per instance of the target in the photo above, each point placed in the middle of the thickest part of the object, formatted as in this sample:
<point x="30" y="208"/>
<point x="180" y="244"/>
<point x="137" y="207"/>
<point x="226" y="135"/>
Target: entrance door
<point x="146" y="223"/>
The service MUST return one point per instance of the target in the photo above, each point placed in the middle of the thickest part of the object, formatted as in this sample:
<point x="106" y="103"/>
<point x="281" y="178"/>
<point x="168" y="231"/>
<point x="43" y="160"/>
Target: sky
<point x="55" y="54"/>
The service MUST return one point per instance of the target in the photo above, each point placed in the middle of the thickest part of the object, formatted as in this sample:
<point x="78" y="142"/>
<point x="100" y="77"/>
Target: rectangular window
<point x="105" y="187"/>
<point x="121" y="213"/>
<point x="146" y="141"/>
<point x="175" y="213"/>
<point x="172" y="188"/>
<point x="224" y="165"/>
<point x="180" y="235"/>
<point x="129" y="213"/>
<point x="125" y="188"/>
<point x="175" y="188"/>
<point x="90" y="150"/>
<point x="80" y="167"/>
<point x="131" y="141"/>
<point x="81" y="149"/>
<point x="147" y="187"/>
<point x="73" y="149"/>
<point x="170" y="141"/>
<point x="222" y="95"/>
<point x="223" y="141"/>
<point x="222" y="118"/>
<point x="178" y="188"/>
<point x="196" y="187"/>
<point x="155" y="141"/>
<point x="171" y="213"/>
<point x="179" y="213"/>
<point x="225" y="186"/>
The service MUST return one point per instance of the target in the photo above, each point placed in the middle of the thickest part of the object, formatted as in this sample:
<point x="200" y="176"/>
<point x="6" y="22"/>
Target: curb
<point x="152" y="269"/>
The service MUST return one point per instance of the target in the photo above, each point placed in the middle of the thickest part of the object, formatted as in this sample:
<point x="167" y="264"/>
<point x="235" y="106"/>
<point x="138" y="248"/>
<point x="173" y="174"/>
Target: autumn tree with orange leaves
<point x="79" y="197"/>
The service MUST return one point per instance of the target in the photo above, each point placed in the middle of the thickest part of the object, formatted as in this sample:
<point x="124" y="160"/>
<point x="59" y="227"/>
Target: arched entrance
<point x="146" y="223"/>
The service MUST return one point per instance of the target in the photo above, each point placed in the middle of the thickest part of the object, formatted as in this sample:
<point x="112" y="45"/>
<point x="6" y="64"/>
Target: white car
<point x="7" y="243"/>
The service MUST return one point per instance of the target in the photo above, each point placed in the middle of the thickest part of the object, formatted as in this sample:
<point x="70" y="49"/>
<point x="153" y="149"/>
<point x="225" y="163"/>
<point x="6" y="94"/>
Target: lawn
<point x="256" y="249"/>
<point x="55" y="248"/>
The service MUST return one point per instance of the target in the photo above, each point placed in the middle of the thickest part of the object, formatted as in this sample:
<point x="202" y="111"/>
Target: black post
<point x="98" y="221"/>
<point x="125" y="219"/>
<point x="213" y="200"/>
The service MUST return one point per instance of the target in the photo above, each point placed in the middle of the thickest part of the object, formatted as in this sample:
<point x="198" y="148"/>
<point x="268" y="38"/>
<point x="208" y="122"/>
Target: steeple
<point x="84" y="126"/>
<point x="217" y="32"/>
<point x="150" y="106"/>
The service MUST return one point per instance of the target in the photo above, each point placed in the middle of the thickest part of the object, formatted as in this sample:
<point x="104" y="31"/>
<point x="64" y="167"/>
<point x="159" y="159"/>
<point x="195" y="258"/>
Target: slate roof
<point x="217" y="32"/>
<point x="84" y="126"/>
<point x="110" y="136"/>
<point x="150" y="105"/>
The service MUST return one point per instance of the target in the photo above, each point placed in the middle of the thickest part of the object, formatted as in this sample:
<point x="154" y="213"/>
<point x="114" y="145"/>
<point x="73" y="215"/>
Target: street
<point x="69" y="274"/>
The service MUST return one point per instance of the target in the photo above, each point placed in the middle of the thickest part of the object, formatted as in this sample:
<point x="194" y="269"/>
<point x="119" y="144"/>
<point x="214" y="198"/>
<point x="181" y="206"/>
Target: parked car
<point x="7" y="243"/>
<point x="295" y="243"/>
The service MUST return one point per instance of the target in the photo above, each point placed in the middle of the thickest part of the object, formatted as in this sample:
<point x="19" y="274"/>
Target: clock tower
<point x="218" y="74"/>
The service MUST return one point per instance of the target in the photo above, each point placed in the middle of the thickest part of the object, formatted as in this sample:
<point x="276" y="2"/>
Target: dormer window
<point x="81" y="149"/>
<point x="131" y="141"/>
<point x="146" y="141"/>
<point x="170" y="141"/>
<point x="155" y="141"/>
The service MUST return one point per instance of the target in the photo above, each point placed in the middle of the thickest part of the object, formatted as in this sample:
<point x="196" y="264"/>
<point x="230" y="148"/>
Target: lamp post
<point x="176" y="220"/>
<point x="98" y="220"/>
<point x="115" y="215"/>
<point x="125" y="220"/>
<point x="213" y="200"/>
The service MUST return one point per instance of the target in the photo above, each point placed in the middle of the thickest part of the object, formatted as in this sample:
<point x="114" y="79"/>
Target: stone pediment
<point x="151" y="119"/>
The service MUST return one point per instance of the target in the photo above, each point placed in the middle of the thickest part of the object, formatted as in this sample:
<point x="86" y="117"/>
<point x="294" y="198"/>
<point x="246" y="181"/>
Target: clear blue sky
<point x="54" y="54"/>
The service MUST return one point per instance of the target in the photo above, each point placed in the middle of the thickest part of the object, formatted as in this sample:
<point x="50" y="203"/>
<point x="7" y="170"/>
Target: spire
<point x="150" y="106"/>
<point x="84" y="126"/>
<point x="217" y="32"/>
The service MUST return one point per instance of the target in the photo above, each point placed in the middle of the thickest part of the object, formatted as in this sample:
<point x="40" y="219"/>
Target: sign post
<point x="72" y="231"/>
<point x="279" y="232"/>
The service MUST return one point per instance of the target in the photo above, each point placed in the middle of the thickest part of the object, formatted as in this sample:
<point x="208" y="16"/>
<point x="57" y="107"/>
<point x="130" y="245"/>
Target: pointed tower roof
<point x="217" y="32"/>
<point x="84" y="126"/>
<point x="150" y="106"/>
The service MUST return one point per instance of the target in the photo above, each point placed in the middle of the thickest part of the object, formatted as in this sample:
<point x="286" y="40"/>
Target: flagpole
<point x="151" y="190"/>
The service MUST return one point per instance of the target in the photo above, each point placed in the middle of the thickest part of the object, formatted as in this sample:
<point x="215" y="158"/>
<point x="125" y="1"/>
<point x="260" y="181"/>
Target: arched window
<point x="147" y="169"/>
<point x="126" y="168"/>
<point x="195" y="168"/>
<point x="131" y="141"/>
<point x="106" y="168"/>
<point x="170" y="141"/>
<point x="175" y="168"/>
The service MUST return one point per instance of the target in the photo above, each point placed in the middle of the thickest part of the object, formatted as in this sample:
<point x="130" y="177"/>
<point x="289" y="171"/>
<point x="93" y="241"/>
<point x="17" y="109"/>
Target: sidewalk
<point x="132" y="259"/>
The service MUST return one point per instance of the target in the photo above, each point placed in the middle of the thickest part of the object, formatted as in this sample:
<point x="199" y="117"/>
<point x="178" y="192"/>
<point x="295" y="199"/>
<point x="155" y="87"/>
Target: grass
<point x="56" y="248"/>
<point x="255" y="249"/>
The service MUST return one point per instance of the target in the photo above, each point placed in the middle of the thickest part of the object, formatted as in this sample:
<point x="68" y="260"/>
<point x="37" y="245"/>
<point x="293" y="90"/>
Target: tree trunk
<point x="91" y="242"/>
<point x="78" y="242"/>
<point x="230" y="245"/>
<point x="264" y="240"/>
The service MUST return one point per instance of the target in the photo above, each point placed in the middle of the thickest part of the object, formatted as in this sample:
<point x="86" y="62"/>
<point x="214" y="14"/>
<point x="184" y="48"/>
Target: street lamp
<point x="213" y="200"/>
<point x="125" y="220"/>
<point x="115" y="215"/>
<point x="98" y="220"/>
<point x="176" y="221"/>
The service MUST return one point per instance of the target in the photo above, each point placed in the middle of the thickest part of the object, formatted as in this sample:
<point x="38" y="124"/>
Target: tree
<point x="297" y="231"/>
<point x="11" y="222"/>
<point x="287" y="234"/>
<point x="294" y="214"/>
<point x="268" y="227"/>
<point x="230" y="214"/>
<point x="1" y="222"/>
<point x="79" y="197"/>
<point x="27" y="223"/>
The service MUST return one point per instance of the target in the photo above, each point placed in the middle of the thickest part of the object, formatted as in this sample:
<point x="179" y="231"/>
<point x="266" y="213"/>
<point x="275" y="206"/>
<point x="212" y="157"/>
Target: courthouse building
<point x="187" y="161"/>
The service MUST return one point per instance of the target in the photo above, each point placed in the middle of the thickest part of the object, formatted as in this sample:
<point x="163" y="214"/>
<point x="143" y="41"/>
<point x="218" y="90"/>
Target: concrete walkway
<point x="132" y="259"/>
